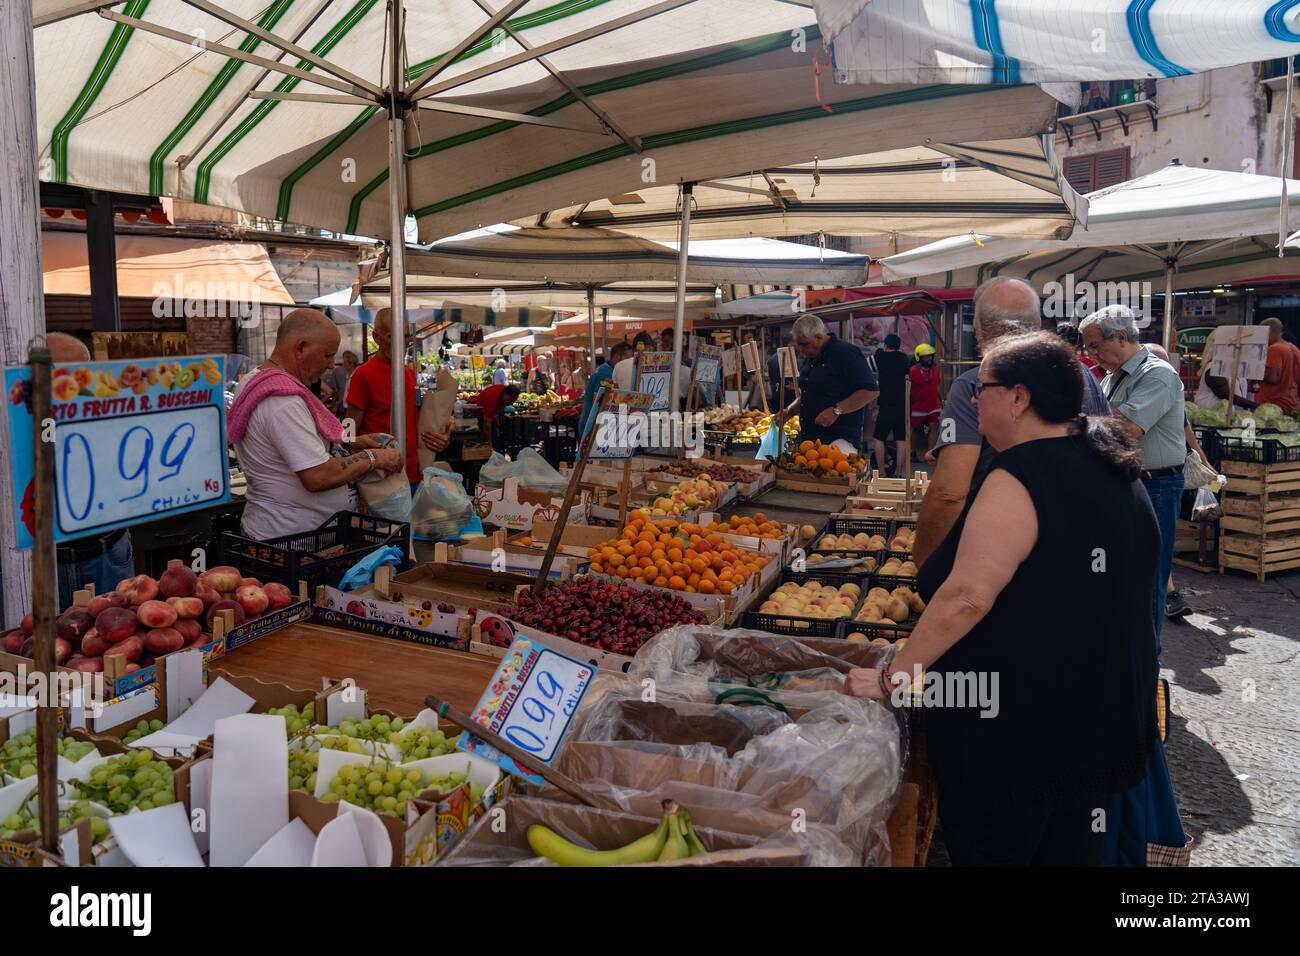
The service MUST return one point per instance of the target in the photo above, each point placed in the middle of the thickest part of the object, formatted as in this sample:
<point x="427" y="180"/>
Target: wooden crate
<point x="1259" y="531"/>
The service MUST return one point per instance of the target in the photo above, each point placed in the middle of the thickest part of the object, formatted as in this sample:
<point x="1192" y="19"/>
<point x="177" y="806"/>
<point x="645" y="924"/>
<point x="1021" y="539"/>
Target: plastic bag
<point x="1196" y="473"/>
<point x="495" y="470"/>
<point x="836" y="757"/>
<point x="770" y="446"/>
<point x="534" y="471"/>
<point x="388" y="496"/>
<point x="531" y="469"/>
<point x="440" y="507"/>
<point x="362" y="574"/>
<point x="1206" y="506"/>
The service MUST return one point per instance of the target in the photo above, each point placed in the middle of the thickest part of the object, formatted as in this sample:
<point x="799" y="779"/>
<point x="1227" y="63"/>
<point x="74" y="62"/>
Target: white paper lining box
<point x="514" y="506"/>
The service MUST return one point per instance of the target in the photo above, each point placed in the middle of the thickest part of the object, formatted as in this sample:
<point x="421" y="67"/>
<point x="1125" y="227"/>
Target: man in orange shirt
<point x="370" y="398"/>
<point x="1282" y="371"/>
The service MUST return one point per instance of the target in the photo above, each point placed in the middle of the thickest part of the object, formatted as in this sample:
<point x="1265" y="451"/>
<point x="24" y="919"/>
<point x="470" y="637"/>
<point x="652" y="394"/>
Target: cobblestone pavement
<point x="1234" y="743"/>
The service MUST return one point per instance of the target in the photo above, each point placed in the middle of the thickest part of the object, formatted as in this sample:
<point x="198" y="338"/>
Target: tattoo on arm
<point x="346" y="463"/>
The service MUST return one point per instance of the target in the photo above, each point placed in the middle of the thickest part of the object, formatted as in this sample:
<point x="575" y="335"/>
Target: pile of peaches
<point x="145" y="618"/>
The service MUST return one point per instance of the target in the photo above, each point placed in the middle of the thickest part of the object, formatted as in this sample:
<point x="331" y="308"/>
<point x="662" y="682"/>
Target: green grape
<point x="129" y="780"/>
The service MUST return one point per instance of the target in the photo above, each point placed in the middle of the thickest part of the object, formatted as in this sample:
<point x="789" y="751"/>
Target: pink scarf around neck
<point x="269" y="381"/>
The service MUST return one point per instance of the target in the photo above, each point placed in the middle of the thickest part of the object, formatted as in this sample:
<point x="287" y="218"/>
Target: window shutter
<point x="1111" y="168"/>
<point x="1079" y="173"/>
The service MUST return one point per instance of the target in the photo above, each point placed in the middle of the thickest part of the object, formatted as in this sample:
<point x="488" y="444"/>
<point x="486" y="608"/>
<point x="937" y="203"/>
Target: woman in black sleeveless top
<point x="1039" y="611"/>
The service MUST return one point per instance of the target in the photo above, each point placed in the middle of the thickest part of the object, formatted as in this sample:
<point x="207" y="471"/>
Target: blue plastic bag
<point x="770" y="446"/>
<point x="362" y="574"/>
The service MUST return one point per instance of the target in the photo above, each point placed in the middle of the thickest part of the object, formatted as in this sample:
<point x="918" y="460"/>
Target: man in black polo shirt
<point x="836" y="385"/>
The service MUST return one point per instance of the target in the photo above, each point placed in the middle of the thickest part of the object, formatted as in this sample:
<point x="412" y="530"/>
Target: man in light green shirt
<point x="1146" y="396"/>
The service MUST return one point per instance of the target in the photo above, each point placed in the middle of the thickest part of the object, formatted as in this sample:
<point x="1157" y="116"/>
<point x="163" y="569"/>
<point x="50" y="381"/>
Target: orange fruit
<point x="645" y="563"/>
<point x="674" y="554"/>
<point x="699" y="565"/>
<point x="725" y="586"/>
<point x="707" y="587"/>
<point x="806" y="446"/>
<point x="800" y="461"/>
<point x="693" y="581"/>
<point x="661" y="582"/>
<point x="642" y="548"/>
<point x="842" y="467"/>
<point x="658" y="554"/>
<point x="596" y="568"/>
<point x="676" y="582"/>
<point x="616" y="560"/>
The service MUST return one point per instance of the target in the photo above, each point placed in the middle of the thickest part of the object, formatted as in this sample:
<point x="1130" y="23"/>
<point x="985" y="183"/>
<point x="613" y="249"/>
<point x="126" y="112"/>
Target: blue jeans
<point x="1148" y="812"/>
<point x="103" y="571"/>
<point x="1166" y="495"/>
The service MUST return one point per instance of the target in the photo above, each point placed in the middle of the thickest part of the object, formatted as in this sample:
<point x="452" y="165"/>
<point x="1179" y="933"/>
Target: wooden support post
<point x="45" y="595"/>
<point x="22" y="304"/>
<point x="570" y="493"/>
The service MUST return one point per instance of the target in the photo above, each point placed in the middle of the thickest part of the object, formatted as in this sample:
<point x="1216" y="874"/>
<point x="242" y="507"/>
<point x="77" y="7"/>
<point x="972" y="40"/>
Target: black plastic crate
<point x="860" y="524"/>
<point x="852" y="574"/>
<point x="829" y="576"/>
<point x="316" y="557"/>
<point x="1211" y="443"/>
<point x="889" y="582"/>
<point x="1263" y="451"/>
<point x="804" y="626"/>
<point x="874" y="629"/>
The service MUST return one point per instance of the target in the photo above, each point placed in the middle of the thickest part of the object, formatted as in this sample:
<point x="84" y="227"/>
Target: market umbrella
<point x="465" y="114"/>
<point x="1008" y="187"/>
<point x="1186" y="225"/>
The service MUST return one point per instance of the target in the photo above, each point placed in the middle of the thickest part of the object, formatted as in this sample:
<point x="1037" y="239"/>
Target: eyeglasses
<point x="980" y="386"/>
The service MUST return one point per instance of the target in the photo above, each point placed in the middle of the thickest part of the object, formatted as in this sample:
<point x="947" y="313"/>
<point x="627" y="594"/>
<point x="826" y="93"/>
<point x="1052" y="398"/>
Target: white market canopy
<point x="1048" y="41"/>
<point x="1186" y="225"/>
<point x="1174" y="205"/>
<point x="541" y="105"/>
<point x="582" y="256"/>
<point x="1011" y="187"/>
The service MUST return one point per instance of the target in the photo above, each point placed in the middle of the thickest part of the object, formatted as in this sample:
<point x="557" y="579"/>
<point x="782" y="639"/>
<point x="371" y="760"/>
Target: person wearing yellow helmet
<point x="926" y="404"/>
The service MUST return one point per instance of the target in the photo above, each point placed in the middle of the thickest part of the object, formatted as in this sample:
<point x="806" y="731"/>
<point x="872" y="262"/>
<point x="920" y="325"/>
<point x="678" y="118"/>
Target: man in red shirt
<point x="925" y="398"/>
<point x="492" y="399"/>
<point x="1281" y="372"/>
<point x="370" y="398"/>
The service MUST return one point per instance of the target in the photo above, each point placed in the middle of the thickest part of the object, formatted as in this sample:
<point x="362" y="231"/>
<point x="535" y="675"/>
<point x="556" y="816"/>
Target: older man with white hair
<point x="835" y="386"/>
<point x="1146" y="395"/>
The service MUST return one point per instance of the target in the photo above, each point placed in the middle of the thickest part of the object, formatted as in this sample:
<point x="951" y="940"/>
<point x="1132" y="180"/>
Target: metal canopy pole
<point x="679" y="316"/>
<point x="591" y="327"/>
<point x="397" y="222"/>
<point x="1167" y="339"/>
<point x="604" y="332"/>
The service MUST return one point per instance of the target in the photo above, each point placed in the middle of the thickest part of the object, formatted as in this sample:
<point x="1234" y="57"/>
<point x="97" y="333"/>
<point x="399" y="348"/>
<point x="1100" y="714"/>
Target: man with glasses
<point x="1146" y="395"/>
<point x="1003" y="306"/>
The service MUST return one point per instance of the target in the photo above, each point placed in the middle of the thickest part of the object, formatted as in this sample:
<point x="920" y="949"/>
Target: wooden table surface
<point x="396" y="675"/>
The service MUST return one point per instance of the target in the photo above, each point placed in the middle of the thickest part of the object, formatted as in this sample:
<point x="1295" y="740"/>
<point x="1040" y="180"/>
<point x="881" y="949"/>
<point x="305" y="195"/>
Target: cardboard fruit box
<point x="499" y="554"/>
<point x="433" y="821"/>
<point x="780" y="547"/>
<point x="464" y="587"/>
<point x="489" y="843"/>
<point x="371" y="611"/>
<point x="514" y="506"/>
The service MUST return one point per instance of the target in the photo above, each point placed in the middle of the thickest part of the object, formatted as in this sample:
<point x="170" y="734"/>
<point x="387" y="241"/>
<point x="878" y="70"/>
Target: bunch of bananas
<point x="673" y="839"/>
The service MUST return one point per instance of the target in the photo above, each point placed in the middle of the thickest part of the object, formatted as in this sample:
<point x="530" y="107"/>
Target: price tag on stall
<point x="708" y="366"/>
<point x="623" y="427"/>
<point x="133" y="441"/>
<point x="653" y="374"/>
<point x="530" y="702"/>
<point x="477" y="361"/>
